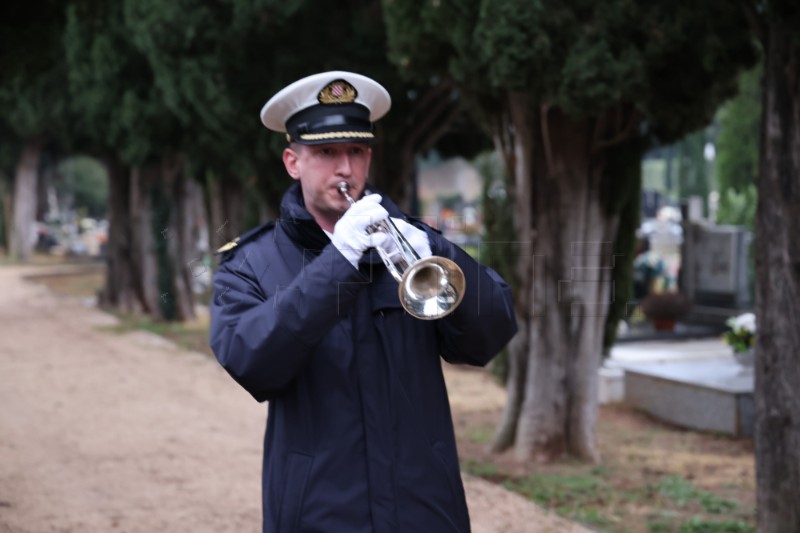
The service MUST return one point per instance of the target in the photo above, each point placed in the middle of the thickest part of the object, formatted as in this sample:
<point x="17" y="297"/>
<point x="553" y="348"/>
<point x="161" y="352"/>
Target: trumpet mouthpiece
<point x="344" y="187"/>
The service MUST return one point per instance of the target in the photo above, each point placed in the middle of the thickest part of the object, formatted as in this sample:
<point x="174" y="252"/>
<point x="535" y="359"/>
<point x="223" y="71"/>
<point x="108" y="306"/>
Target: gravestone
<point x="715" y="270"/>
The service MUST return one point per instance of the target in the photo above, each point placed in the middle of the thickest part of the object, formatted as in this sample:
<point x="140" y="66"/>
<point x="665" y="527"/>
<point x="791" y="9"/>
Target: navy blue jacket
<point x="359" y="433"/>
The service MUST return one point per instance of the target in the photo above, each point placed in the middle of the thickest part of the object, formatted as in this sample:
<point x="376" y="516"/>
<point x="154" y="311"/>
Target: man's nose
<point x="343" y="166"/>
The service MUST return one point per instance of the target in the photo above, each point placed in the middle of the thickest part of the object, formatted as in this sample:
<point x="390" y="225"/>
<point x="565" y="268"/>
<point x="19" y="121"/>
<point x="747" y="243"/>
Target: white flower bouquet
<point x="742" y="333"/>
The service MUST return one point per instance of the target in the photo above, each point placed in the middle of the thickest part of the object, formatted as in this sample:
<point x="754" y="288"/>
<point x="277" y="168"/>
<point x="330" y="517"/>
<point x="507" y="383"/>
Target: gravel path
<point x="108" y="432"/>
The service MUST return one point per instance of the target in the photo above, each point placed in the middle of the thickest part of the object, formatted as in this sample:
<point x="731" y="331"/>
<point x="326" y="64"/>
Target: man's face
<point x="320" y="168"/>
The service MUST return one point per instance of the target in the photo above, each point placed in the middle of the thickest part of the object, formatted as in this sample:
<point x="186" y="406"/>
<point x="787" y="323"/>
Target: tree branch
<point x="427" y="122"/>
<point x="622" y="135"/>
<point x="434" y="135"/>
<point x="431" y="94"/>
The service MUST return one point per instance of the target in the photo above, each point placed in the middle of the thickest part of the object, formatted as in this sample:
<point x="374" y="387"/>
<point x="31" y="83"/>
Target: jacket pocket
<point x="298" y="467"/>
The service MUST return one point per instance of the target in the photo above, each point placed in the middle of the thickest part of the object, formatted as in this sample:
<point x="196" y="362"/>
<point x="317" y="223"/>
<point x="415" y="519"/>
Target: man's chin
<point x="339" y="209"/>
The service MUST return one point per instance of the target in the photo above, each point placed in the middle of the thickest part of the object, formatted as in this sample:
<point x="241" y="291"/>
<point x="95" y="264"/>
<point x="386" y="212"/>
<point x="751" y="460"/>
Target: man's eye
<point x="328" y="152"/>
<point x="356" y="151"/>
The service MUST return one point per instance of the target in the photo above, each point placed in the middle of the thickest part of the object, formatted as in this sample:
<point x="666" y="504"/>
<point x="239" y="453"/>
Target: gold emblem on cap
<point x="337" y="92"/>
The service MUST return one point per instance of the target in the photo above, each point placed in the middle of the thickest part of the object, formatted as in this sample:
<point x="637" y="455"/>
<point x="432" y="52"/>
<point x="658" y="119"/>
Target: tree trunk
<point x="120" y="292"/>
<point x="143" y="245"/>
<point x="777" y="431"/>
<point x="182" y="236"/>
<point x="565" y="283"/>
<point x="25" y="180"/>
<point x="224" y="205"/>
<point x="152" y="251"/>
<point x="8" y="226"/>
<point x="513" y="149"/>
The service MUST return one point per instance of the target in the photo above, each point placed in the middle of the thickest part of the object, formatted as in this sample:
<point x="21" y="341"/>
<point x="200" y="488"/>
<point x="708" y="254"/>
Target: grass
<point x="601" y="498"/>
<point x="481" y="435"/>
<point x="683" y="492"/>
<point x="476" y="468"/>
<point x="188" y="336"/>
<point x="81" y="285"/>
<point x="654" y="478"/>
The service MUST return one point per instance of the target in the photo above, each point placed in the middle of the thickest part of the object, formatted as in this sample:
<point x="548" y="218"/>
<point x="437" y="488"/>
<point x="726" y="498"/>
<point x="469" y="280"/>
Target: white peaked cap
<point x="320" y="107"/>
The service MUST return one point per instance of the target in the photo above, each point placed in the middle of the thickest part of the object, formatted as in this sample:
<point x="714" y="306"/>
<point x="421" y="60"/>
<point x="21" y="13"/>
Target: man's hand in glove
<point x="350" y="232"/>
<point x="417" y="238"/>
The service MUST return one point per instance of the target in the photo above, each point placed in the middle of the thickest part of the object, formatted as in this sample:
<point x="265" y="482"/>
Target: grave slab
<point x="708" y="395"/>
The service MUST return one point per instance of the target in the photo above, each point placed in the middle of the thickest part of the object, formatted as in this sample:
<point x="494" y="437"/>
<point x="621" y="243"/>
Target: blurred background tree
<point x="167" y="96"/>
<point x="33" y="108"/>
<point x="777" y="252"/>
<point x="566" y="90"/>
<point x="83" y="186"/>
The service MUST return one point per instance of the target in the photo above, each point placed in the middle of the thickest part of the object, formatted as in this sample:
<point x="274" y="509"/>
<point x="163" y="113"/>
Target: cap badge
<point x="337" y="92"/>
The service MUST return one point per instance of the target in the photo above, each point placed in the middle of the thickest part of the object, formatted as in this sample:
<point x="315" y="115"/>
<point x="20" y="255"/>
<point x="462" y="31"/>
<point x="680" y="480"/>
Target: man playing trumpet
<point x="306" y="315"/>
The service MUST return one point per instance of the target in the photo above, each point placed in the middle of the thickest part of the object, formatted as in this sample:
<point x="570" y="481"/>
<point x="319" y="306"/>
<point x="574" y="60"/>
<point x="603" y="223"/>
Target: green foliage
<point x="575" y="496"/>
<point x="31" y="102"/>
<point x="738" y="151"/>
<point x="741" y="332"/>
<point x="112" y="91"/>
<point x="682" y="492"/>
<point x="556" y="491"/>
<point x="188" y="49"/>
<point x="738" y="207"/>
<point x="713" y="504"/>
<point x="673" y="61"/>
<point x="693" y="175"/>
<point x="476" y="468"/>
<point x="669" y="522"/>
<point x="739" y="132"/>
<point x="700" y="525"/>
<point x="663" y="522"/>
<point x="482" y="435"/>
<point x="87" y="181"/>
<point x="593" y="516"/>
<point x="677" y="489"/>
<point x="151" y="78"/>
<point x="185" y="335"/>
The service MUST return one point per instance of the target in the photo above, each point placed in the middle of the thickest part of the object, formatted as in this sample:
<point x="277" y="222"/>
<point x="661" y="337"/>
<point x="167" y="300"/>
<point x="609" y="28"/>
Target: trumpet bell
<point x="431" y="288"/>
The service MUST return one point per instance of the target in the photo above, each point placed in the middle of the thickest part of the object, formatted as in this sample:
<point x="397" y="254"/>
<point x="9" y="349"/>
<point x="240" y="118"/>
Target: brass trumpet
<point x="428" y="288"/>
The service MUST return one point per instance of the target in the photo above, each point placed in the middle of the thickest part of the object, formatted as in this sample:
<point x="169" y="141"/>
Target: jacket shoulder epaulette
<point x="243" y="238"/>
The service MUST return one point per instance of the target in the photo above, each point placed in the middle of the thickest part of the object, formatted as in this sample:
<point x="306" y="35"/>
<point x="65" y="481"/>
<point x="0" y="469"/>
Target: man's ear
<point x="290" y="158"/>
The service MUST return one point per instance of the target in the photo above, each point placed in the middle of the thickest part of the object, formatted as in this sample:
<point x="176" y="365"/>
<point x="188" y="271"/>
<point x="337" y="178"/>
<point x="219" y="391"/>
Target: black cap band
<point x="326" y="123"/>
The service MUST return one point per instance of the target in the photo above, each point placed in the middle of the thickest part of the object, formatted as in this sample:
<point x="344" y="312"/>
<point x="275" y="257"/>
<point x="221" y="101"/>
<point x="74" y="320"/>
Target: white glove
<point x="417" y="238"/>
<point x="350" y="232"/>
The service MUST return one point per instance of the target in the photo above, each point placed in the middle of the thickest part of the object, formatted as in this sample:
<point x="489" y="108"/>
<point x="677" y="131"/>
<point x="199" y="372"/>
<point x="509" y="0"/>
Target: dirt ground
<point x="102" y="431"/>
